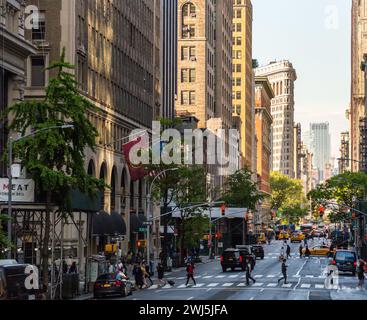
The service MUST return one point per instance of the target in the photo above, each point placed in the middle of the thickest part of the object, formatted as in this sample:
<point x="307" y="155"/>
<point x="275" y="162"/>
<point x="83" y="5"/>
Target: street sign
<point x="148" y="223"/>
<point x="220" y="244"/>
<point x="143" y="229"/>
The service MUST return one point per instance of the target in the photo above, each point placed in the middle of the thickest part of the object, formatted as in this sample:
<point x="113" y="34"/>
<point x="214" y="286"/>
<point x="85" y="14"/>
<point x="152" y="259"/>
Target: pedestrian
<point x="307" y="252"/>
<point x="300" y="250"/>
<point x="73" y="268"/>
<point x="138" y="274"/>
<point x="288" y="251"/>
<point x="284" y="272"/>
<point x="190" y="273"/>
<point x="160" y="271"/>
<point x="360" y="273"/>
<point x="248" y="272"/>
<point x="145" y="270"/>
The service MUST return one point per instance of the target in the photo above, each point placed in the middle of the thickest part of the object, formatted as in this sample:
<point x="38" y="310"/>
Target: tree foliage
<point x="4" y="243"/>
<point x="241" y="191"/>
<point x="287" y="197"/>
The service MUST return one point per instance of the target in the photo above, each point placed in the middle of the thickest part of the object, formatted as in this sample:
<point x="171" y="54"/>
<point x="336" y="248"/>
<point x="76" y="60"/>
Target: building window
<point x="189" y="10"/>
<point x="239" y="41"/>
<point x="238" y="81"/>
<point x="238" y="109"/>
<point x="39" y="32"/>
<point x="184" y="53"/>
<point x="239" y="27"/>
<point x="238" y="67"/>
<point x="188" y="31"/>
<point x="192" y="75"/>
<point x="188" y="97"/>
<point x="188" y="75"/>
<point x="238" y="95"/>
<point x="238" y="13"/>
<point x="192" y="53"/>
<point x="38" y="78"/>
<point x="238" y="54"/>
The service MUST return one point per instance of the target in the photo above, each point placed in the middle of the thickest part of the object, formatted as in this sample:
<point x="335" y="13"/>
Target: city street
<point x="306" y="281"/>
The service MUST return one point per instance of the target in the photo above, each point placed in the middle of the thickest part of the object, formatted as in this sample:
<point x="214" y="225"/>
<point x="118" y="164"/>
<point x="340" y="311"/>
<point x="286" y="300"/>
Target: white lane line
<point x="319" y="286"/>
<point x="228" y="284"/>
<point x="190" y="298"/>
<point x="272" y="285"/>
<point x="309" y="276"/>
<point x="288" y="285"/>
<point x="198" y="285"/>
<point x="181" y="278"/>
<point x="298" y="272"/>
<point x="234" y="276"/>
<point x="271" y="276"/>
<point x="306" y="285"/>
<point x="258" y="284"/>
<point x="241" y="285"/>
<point x="182" y="286"/>
<point x="213" y="284"/>
<point x="258" y="276"/>
<point x="219" y="277"/>
<point x="208" y="277"/>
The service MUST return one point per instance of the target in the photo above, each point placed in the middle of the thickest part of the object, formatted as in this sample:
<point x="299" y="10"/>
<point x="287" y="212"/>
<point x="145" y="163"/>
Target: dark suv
<point x="345" y="261"/>
<point x="236" y="258"/>
<point x="12" y="282"/>
<point x="258" y="251"/>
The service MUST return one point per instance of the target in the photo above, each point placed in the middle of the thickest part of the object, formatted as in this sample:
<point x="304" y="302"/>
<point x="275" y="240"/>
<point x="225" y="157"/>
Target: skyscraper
<point x="320" y="144"/>
<point x="168" y="37"/>
<point x="282" y="76"/>
<point x="243" y="104"/>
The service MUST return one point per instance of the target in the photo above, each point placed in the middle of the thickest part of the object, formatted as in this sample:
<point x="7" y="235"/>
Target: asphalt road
<point x="306" y="281"/>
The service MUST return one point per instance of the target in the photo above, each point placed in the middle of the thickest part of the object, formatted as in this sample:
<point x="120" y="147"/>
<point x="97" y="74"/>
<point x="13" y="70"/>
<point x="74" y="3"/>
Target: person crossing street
<point x="284" y="272"/>
<point x="300" y="250"/>
<point x="190" y="273"/>
<point x="248" y="272"/>
<point x="288" y="251"/>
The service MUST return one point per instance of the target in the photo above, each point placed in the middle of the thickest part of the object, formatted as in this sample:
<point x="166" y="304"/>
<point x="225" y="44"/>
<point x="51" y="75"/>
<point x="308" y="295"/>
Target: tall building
<point x="320" y="147"/>
<point x="282" y="77"/>
<point x="243" y="106"/>
<point x="359" y="49"/>
<point x="168" y="36"/>
<point x="344" y="162"/>
<point x="115" y="48"/>
<point x="297" y="150"/>
<point x="14" y="50"/>
<point x="306" y="169"/>
<point x="196" y="59"/>
<point x="263" y="122"/>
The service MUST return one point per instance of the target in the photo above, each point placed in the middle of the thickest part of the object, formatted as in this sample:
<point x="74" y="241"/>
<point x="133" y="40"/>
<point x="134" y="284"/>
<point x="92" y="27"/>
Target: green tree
<point x="4" y="243"/>
<point x="241" y="191"/>
<point x="55" y="158"/>
<point x="287" y="197"/>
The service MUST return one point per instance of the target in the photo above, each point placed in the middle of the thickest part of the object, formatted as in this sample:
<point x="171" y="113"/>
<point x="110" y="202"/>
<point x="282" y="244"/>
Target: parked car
<point x="258" y="251"/>
<point x="12" y="282"/>
<point x="236" y="258"/>
<point x="106" y="284"/>
<point x="345" y="261"/>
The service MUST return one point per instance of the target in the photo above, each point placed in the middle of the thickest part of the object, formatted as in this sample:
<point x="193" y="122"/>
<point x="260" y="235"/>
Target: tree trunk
<point x="46" y="240"/>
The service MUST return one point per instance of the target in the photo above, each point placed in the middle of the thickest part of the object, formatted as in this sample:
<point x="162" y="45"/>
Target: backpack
<point x="190" y="269"/>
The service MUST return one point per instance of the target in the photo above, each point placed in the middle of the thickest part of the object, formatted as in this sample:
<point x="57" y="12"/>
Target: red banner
<point x="136" y="171"/>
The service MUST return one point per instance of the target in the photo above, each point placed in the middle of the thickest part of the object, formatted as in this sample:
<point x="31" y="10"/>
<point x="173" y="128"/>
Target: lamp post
<point x="10" y="176"/>
<point x="150" y="209"/>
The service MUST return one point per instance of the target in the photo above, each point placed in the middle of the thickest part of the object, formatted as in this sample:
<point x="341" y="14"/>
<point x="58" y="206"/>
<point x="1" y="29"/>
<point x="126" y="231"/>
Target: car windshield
<point x="345" y="256"/>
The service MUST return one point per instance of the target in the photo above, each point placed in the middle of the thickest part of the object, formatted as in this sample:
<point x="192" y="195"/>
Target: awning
<point x="105" y="224"/>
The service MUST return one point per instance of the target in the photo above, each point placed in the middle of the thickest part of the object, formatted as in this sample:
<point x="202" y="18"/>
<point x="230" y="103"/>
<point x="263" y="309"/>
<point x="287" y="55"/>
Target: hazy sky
<point x="315" y="36"/>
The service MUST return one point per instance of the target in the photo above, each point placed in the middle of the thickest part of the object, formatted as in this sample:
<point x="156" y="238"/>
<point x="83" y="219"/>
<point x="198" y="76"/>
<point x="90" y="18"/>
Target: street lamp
<point x="150" y="209"/>
<point x="10" y="177"/>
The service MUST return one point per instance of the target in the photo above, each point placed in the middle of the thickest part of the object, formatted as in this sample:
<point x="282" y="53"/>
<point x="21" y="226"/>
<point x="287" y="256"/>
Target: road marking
<point x="190" y="298"/>
<point x="271" y="276"/>
<point x="257" y="284"/>
<point x="241" y="285"/>
<point x="305" y="285"/>
<point x="252" y="298"/>
<point x="208" y="277"/>
<point x="228" y="284"/>
<point x="298" y="272"/>
<point x="213" y="284"/>
<point x="198" y="285"/>
<point x="219" y="277"/>
<point x="234" y="276"/>
<point x="272" y="285"/>
<point x="154" y="286"/>
<point x="259" y="276"/>
<point x="181" y="278"/>
<point x="309" y="276"/>
<point x="197" y="277"/>
<point x="182" y="286"/>
<point x="319" y="286"/>
<point x="288" y="285"/>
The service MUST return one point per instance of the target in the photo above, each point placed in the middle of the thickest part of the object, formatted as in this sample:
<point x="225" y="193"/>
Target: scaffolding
<point x="28" y="226"/>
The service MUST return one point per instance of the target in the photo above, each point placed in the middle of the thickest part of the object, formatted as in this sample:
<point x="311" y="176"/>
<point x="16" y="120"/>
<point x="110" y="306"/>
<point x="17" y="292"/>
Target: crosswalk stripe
<point x="227" y="284"/>
<point x="319" y="286"/>
<point x="199" y="285"/>
<point x="272" y="285"/>
<point x="271" y="276"/>
<point x="234" y="276"/>
<point x="181" y="278"/>
<point x="182" y="286"/>
<point x="213" y="284"/>
<point x="309" y="276"/>
<point x="258" y="276"/>
<point x="288" y="285"/>
<point x="208" y="277"/>
<point x="257" y="284"/>
<point x="154" y="286"/>
<point x="306" y="285"/>
<point x="167" y="286"/>
<point x="241" y="285"/>
<point x="197" y="277"/>
<point x="219" y="277"/>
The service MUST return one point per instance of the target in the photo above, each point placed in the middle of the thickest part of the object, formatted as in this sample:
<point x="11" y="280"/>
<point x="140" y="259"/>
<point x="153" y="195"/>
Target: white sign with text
<point x="22" y="190"/>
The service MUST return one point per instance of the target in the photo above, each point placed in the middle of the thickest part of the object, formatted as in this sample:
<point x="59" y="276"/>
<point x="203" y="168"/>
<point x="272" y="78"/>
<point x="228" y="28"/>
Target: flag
<point x="137" y="172"/>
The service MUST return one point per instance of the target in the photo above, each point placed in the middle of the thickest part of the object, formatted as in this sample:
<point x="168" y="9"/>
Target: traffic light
<point x="223" y="209"/>
<point x="321" y="210"/>
<point x="141" y="243"/>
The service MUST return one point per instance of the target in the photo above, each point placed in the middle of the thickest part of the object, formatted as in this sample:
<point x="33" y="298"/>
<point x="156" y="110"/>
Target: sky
<point x="315" y="36"/>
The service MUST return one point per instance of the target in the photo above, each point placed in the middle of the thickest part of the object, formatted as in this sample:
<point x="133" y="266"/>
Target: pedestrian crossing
<point x="226" y="285"/>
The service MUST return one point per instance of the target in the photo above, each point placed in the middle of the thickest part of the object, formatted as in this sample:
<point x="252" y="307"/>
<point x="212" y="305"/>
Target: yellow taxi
<point x="297" y="237"/>
<point x="283" y="235"/>
<point x="261" y="238"/>
<point x="319" y="251"/>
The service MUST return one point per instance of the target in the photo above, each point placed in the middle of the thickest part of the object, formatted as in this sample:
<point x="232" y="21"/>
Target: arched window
<point x="123" y="187"/>
<point x="189" y="10"/>
<point x="113" y="189"/>
<point x="91" y="169"/>
<point x="102" y="176"/>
